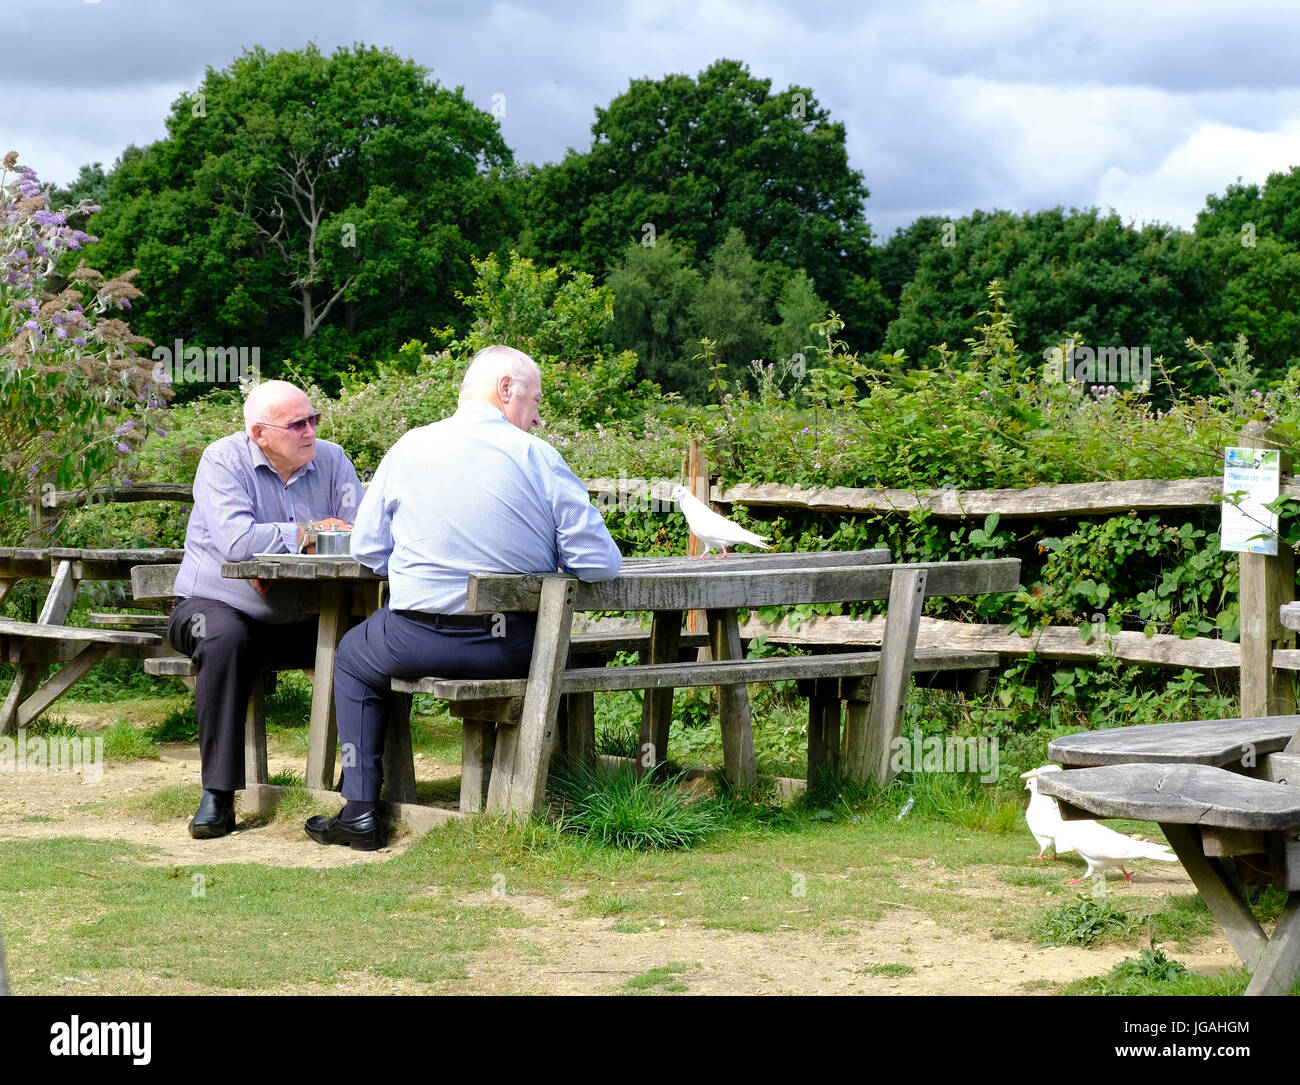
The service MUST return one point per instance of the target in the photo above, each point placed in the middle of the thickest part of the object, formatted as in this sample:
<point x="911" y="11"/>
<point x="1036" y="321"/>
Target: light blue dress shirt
<point x="243" y="507"/>
<point x="475" y="494"/>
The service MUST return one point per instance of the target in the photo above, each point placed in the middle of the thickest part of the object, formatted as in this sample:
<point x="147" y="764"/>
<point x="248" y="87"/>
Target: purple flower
<point x="80" y="340"/>
<point x="48" y="218"/>
<point x="122" y="446"/>
<point x="32" y="326"/>
<point x="61" y="333"/>
<point x="160" y="431"/>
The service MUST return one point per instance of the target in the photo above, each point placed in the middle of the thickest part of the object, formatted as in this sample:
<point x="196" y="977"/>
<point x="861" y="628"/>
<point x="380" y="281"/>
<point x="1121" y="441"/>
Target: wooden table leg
<point x="55" y="609"/>
<point x="1279" y="967"/>
<point x="897" y="650"/>
<point x="323" y="734"/>
<point x="823" y="728"/>
<point x="255" y="770"/>
<point x="657" y="704"/>
<point x="1233" y="915"/>
<point x="733" y="703"/>
<point x="477" y="746"/>
<point x="518" y="784"/>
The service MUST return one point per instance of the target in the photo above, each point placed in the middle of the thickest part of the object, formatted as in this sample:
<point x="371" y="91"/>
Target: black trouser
<point x="230" y="649"/>
<point x="389" y="644"/>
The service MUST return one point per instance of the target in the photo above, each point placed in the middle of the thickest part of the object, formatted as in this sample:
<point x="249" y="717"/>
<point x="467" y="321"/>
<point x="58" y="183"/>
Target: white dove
<point x="1102" y="847"/>
<point x="712" y="530"/>
<point x="1042" y="816"/>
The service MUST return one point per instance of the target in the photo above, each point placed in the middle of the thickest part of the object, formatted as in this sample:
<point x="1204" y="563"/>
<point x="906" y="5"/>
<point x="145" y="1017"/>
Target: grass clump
<point x="125" y="740"/>
<point x="180" y="725"/>
<point x="890" y="968"/>
<point x="662" y="976"/>
<point x="615" y="808"/>
<point x="1086" y="922"/>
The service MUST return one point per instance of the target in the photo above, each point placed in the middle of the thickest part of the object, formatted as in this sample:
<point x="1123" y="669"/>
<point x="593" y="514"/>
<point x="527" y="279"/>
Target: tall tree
<point x="696" y="158"/>
<point x="300" y="198"/>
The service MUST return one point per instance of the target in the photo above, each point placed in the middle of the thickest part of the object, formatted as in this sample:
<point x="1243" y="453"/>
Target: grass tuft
<point x="1085" y="922"/>
<point x="614" y="807"/>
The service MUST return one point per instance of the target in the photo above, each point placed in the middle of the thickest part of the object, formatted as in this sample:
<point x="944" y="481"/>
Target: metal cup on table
<point x="333" y="542"/>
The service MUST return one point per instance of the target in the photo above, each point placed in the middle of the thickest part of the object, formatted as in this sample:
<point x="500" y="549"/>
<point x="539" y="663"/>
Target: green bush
<point x="614" y="807"/>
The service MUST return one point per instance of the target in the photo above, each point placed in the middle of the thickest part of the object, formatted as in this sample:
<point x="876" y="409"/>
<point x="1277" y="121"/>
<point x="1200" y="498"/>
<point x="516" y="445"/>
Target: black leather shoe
<point x="214" y="817"/>
<point x="361" y="833"/>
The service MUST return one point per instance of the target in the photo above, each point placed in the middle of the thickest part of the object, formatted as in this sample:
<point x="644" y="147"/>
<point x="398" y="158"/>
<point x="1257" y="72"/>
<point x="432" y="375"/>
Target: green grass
<point x="888" y="969"/>
<point x="614" y="807"/>
<point x="661" y="976"/>
<point x="1085" y="922"/>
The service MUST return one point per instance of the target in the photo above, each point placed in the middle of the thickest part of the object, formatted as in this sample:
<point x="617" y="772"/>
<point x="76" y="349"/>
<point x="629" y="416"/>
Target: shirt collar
<point x="480" y="408"/>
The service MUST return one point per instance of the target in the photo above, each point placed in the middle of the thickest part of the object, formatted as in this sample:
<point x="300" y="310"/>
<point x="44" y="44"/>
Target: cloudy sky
<point x="1140" y="105"/>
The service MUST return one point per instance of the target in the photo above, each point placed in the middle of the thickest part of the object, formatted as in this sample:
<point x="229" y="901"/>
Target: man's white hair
<point x="491" y="364"/>
<point x="261" y="396"/>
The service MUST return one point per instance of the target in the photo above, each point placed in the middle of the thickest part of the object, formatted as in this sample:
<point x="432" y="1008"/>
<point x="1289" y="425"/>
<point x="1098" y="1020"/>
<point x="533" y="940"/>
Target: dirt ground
<point x="566" y="954"/>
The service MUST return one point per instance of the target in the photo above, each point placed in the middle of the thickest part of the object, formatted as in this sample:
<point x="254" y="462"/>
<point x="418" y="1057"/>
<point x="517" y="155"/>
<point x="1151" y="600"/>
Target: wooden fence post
<point x="1265" y="584"/>
<point x="697" y="481"/>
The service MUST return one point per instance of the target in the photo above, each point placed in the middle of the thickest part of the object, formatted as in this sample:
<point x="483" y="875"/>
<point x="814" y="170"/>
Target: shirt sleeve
<point x="227" y="509"/>
<point x="372" y="529"/>
<point x="586" y="549"/>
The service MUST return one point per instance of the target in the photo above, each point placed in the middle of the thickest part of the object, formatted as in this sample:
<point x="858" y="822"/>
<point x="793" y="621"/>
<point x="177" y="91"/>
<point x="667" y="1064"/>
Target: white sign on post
<point x="1251" y="479"/>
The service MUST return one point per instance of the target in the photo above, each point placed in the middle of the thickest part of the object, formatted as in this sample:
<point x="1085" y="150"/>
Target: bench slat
<point x="1199" y="742"/>
<point x="1180" y="794"/>
<point x="64" y="633"/>
<point x="653" y="676"/>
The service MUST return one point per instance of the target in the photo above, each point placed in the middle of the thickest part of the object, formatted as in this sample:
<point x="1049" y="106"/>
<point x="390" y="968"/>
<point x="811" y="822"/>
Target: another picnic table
<point x="1226" y="794"/>
<point x="510" y="724"/>
<point x="37" y="645"/>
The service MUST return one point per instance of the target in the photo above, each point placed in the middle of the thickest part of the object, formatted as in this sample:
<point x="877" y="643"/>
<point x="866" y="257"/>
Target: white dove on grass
<point x="1102" y="847"/>
<point x="1099" y="846"/>
<point x="1042" y="816"/>
<point x="714" y="531"/>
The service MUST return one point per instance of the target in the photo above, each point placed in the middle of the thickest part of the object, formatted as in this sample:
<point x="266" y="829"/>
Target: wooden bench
<point x="511" y="724"/>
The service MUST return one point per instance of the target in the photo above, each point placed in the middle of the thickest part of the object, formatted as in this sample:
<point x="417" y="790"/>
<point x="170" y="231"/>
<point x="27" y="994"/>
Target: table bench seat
<point x="1179" y="794"/>
<point x="685" y="675"/>
<point x="1233" y="744"/>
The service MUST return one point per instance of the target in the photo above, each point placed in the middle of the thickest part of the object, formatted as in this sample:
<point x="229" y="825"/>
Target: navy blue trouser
<point x="229" y="649"/>
<point x="387" y="645"/>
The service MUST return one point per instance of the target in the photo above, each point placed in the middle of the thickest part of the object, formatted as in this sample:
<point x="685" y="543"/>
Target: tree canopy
<point x="300" y="198"/>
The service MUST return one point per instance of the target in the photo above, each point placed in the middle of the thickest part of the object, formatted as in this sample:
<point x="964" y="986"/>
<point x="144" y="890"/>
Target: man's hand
<point x="260" y="586"/>
<point x="333" y="524"/>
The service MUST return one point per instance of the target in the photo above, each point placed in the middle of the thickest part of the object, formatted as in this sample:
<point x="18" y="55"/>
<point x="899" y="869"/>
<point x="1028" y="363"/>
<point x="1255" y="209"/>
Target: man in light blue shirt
<point x="474" y="493"/>
<point x="254" y="493"/>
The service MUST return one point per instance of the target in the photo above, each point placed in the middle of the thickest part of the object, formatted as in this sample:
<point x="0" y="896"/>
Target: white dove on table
<point x="714" y="531"/>
<point x="1099" y="846"/>
<point x="1042" y="816"/>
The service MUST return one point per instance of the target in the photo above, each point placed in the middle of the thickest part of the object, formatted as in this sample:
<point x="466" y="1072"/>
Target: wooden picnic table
<point x="35" y="645"/>
<point x="1226" y="794"/>
<point x="668" y="587"/>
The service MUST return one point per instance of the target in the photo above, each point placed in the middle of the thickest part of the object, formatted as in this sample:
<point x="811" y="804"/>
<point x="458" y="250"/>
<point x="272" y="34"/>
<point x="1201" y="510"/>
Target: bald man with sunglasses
<point x="261" y="491"/>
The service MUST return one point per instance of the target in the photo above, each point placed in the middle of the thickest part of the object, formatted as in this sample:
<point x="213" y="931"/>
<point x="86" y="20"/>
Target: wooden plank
<point x="59" y="600"/>
<point x="1232" y="743"/>
<point x="136" y="491"/>
<point x="1284" y="859"/>
<point x="580" y="737"/>
<point x="478" y="744"/>
<point x="1225" y="843"/>
<point x="1048" y="642"/>
<point x="59" y="683"/>
<point x="1281" y="768"/>
<point x="717" y="588"/>
<point x="657" y="705"/>
<point x="146" y="623"/>
<point x="525" y="775"/>
<point x="506" y="710"/>
<point x="651" y="676"/>
<point x="77" y="634"/>
<point x="1266" y="583"/>
<point x="154" y="581"/>
<point x="1237" y="921"/>
<point x="1179" y="794"/>
<point x="171" y="666"/>
<point x="24" y="563"/>
<point x="255" y="768"/>
<point x="889" y="698"/>
<point x="322" y="735"/>
<point x="1065" y="499"/>
<point x="806" y="559"/>
<point x="738" y="760"/>
<point x="823" y="728"/>
<point x="291" y="567"/>
<point x="399" y="757"/>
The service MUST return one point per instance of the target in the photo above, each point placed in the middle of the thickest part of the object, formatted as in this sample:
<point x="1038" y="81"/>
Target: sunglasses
<point x="300" y="426"/>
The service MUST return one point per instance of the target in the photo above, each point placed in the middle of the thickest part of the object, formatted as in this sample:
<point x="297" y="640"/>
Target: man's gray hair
<point x="491" y="364"/>
<point x="259" y="395"/>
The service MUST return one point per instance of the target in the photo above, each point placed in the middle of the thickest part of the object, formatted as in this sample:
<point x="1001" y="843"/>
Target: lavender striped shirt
<point x="242" y="507"/>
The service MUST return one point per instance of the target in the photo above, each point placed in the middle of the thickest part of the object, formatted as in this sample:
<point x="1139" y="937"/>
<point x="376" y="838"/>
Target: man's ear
<point x="503" y="387"/>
